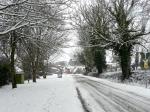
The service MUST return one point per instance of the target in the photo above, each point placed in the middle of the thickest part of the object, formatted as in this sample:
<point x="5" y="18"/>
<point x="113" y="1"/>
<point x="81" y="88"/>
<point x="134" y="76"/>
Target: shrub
<point x="4" y="71"/>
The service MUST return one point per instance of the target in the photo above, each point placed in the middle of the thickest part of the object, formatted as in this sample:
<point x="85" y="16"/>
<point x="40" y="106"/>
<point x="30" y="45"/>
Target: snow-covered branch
<point x="11" y="5"/>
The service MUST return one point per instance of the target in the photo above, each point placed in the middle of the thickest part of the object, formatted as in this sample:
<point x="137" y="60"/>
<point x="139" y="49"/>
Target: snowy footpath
<point x="47" y="95"/>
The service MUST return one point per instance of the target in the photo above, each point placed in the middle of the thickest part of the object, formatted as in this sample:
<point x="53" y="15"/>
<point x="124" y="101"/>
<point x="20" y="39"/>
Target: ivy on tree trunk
<point x="125" y="62"/>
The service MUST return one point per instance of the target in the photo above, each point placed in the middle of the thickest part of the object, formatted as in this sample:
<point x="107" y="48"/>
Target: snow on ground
<point x="90" y="103"/>
<point x="47" y="95"/>
<point x="130" y="88"/>
<point x="101" y="95"/>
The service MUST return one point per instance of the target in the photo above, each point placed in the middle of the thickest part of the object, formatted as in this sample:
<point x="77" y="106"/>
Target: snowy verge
<point x="139" y="78"/>
<point x="84" y="104"/>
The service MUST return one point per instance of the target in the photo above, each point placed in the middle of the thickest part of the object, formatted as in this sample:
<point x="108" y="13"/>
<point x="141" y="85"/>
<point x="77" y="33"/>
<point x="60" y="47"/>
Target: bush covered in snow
<point x="140" y="77"/>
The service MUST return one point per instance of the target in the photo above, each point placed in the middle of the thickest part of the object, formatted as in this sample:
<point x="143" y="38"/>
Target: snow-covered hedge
<point x="140" y="77"/>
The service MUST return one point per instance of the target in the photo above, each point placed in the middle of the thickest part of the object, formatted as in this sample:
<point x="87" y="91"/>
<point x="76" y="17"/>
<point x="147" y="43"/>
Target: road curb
<point x="84" y="104"/>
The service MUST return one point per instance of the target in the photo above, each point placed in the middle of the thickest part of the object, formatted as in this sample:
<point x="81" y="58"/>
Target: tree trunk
<point x="125" y="62"/>
<point x="99" y="60"/>
<point x="136" y="60"/>
<point x="34" y="74"/>
<point x="45" y="74"/>
<point x="35" y="64"/>
<point x="100" y="69"/>
<point x="12" y="60"/>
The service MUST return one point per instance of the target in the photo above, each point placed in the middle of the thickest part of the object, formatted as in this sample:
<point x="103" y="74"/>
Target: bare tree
<point x="118" y="25"/>
<point x="33" y="20"/>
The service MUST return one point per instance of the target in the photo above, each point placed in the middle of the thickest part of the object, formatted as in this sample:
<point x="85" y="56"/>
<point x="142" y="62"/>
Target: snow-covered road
<point x="112" y="97"/>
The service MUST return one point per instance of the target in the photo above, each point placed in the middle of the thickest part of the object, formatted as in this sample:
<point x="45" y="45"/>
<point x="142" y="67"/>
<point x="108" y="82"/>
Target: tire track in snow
<point x="131" y="104"/>
<point x="104" y="101"/>
<point x="112" y="99"/>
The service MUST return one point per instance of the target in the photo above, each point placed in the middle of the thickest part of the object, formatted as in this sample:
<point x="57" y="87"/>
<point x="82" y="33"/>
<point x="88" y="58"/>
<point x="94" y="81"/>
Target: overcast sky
<point x="67" y="53"/>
